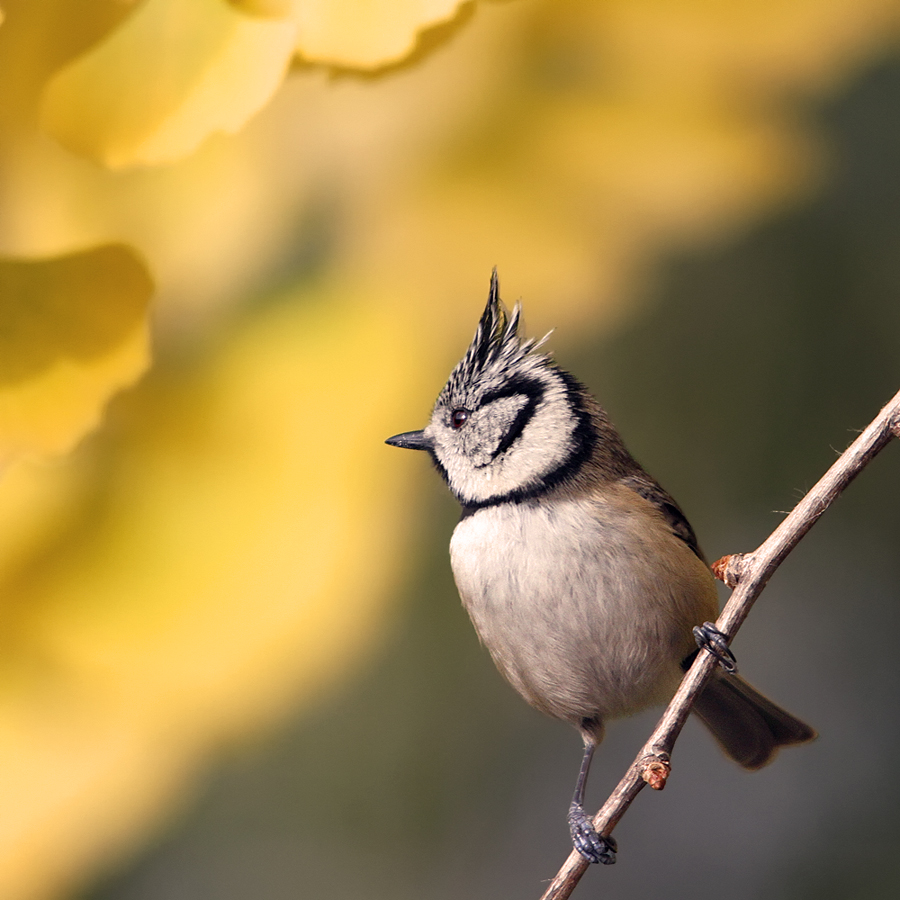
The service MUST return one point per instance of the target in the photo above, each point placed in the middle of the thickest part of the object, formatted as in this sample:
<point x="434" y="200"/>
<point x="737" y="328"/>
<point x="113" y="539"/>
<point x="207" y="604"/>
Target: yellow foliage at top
<point x="125" y="103"/>
<point x="356" y="34"/>
<point x="365" y="34"/>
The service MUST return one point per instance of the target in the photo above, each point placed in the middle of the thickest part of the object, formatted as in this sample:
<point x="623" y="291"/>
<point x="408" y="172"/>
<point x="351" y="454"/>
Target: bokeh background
<point x="243" y="242"/>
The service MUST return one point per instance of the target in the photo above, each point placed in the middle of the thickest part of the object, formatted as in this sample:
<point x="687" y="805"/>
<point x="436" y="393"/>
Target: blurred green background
<point x="234" y="662"/>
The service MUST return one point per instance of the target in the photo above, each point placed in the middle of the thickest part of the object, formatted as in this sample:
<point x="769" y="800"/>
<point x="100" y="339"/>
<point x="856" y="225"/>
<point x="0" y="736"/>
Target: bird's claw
<point x="708" y="637"/>
<point x="594" y="847"/>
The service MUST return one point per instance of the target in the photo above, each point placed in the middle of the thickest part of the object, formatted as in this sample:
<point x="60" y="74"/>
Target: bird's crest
<point x="497" y="346"/>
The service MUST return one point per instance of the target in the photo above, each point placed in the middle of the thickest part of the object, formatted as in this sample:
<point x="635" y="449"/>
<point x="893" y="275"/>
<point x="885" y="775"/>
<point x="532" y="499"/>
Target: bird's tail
<point x="749" y="726"/>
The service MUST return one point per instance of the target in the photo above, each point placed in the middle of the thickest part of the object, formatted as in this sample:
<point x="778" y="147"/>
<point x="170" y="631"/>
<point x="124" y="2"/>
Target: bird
<point x="581" y="575"/>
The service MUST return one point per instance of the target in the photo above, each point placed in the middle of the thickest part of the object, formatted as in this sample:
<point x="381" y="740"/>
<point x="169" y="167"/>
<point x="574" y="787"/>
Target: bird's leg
<point x="592" y="846"/>
<point x="708" y="637"/>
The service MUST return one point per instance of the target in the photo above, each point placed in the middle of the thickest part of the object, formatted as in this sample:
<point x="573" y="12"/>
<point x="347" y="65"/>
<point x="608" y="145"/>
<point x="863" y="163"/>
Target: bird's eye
<point x="459" y="417"/>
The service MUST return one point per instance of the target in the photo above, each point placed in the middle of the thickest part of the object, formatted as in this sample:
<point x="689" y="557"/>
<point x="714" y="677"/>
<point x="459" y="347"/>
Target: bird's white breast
<point x="578" y="603"/>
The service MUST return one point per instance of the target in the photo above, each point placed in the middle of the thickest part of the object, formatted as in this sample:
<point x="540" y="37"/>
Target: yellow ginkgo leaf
<point x="172" y="74"/>
<point x="358" y="34"/>
<point x="73" y="331"/>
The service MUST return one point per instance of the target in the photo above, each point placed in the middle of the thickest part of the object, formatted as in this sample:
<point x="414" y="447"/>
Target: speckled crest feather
<point x="497" y="344"/>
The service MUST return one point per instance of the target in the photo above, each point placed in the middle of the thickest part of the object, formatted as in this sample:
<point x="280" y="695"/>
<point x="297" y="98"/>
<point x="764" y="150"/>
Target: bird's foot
<point x="592" y="846"/>
<point x="708" y="637"/>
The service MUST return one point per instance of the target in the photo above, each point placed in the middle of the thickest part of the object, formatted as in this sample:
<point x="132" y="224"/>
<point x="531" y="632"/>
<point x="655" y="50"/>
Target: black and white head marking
<point x="508" y="424"/>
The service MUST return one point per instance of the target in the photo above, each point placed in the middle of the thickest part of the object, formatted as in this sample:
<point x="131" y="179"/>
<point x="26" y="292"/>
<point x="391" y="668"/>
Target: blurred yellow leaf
<point x="357" y="34"/>
<point x="73" y="331"/>
<point x="169" y="76"/>
<point x="38" y="38"/>
<point x="365" y="34"/>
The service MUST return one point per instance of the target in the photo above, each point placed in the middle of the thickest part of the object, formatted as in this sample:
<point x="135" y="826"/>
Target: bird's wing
<point x="646" y="487"/>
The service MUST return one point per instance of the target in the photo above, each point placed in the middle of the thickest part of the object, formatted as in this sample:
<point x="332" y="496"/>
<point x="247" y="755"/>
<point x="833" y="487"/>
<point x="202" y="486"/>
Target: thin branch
<point x="747" y="574"/>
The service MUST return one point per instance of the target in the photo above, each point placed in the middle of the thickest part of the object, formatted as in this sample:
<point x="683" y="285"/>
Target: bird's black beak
<point x="411" y="440"/>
